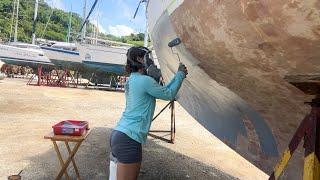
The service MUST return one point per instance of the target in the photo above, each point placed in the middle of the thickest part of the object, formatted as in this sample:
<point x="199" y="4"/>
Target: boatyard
<point x="28" y="112"/>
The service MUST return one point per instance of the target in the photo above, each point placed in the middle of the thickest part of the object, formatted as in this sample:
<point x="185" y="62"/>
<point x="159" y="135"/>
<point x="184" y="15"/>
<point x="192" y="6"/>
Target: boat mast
<point x="69" y="26"/>
<point x="96" y="26"/>
<point x="84" y="19"/>
<point x="97" y="32"/>
<point x="146" y="25"/>
<point x="35" y="21"/>
<point x="146" y="36"/>
<point x="12" y="19"/>
<point x="93" y="34"/>
<point x="16" y="25"/>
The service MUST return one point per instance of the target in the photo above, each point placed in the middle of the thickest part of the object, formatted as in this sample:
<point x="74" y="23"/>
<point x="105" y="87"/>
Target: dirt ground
<point x="28" y="112"/>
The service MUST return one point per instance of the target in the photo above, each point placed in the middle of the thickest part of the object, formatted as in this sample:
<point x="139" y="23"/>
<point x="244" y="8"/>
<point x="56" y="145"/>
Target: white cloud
<point x="126" y="11"/>
<point x="56" y="4"/>
<point x="120" y="30"/>
<point x="100" y="27"/>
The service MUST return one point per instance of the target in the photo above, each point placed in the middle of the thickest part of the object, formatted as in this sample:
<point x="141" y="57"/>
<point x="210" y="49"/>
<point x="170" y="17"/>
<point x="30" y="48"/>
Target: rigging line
<point x="70" y="24"/>
<point x="86" y="20"/>
<point x="97" y="22"/>
<point x="45" y="28"/>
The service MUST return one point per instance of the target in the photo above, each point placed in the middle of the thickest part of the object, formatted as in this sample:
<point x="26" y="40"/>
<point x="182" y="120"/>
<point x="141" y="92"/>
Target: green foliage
<point x="134" y="39"/>
<point x="57" y="28"/>
<point x="136" y="43"/>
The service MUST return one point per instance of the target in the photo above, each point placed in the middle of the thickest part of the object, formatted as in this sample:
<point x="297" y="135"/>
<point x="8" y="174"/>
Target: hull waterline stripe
<point x="4" y="58"/>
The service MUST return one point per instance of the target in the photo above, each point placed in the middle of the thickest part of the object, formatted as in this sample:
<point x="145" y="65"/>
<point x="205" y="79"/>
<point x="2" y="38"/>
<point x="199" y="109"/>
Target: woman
<point x="131" y="131"/>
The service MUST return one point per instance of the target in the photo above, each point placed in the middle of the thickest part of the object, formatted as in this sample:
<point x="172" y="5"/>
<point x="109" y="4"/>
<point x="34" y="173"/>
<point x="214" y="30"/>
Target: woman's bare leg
<point x="128" y="171"/>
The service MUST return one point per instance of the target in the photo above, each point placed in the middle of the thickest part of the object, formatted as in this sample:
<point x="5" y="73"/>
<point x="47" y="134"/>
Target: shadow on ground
<point x="93" y="162"/>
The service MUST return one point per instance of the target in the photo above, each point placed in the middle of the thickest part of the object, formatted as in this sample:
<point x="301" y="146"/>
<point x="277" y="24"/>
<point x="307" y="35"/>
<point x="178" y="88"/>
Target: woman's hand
<point x="183" y="68"/>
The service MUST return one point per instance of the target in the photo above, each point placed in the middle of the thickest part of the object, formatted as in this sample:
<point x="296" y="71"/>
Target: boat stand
<point x="114" y="84"/>
<point x="54" y="78"/>
<point x="93" y="77"/>
<point x="309" y="130"/>
<point x="62" y="78"/>
<point x="41" y="80"/>
<point x="172" y="131"/>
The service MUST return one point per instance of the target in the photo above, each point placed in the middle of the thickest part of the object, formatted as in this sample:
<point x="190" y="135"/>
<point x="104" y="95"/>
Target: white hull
<point x="11" y="54"/>
<point x="102" y="54"/>
<point x="61" y="55"/>
<point x="87" y="52"/>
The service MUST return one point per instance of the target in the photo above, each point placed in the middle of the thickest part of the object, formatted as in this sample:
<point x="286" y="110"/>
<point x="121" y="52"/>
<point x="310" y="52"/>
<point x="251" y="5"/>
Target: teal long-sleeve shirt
<point x="141" y="92"/>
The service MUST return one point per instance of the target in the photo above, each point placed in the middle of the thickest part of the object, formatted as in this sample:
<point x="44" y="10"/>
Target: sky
<point x="112" y="16"/>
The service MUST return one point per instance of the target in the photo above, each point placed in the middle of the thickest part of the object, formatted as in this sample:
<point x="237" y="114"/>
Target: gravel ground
<point x="28" y="112"/>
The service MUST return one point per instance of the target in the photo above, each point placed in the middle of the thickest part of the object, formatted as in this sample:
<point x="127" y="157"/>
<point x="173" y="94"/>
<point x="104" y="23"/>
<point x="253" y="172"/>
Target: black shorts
<point x="125" y="149"/>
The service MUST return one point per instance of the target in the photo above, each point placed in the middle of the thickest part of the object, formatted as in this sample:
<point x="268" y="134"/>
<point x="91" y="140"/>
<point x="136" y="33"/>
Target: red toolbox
<point x="71" y="127"/>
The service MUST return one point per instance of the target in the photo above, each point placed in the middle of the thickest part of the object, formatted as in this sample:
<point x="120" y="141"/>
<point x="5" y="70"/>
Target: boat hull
<point x="62" y="55"/>
<point x="106" y="67"/>
<point x="102" y="58"/>
<point x="237" y="53"/>
<point x="89" y="58"/>
<point x="22" y="56"/>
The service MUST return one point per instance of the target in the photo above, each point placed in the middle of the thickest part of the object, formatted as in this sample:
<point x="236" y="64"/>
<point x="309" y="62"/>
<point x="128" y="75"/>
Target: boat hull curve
<point x="237" y="53"/>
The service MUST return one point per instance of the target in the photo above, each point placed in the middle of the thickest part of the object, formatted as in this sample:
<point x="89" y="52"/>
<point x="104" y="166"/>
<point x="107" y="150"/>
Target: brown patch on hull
<point x="248" y="46"/>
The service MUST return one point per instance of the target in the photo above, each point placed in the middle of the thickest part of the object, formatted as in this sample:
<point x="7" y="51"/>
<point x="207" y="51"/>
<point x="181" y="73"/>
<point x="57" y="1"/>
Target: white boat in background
<point x="104" y="58"/>
<point x="61" y="51"/>
<point x="82" y="56"/>
<point x="19" y="53"/>
<point x="88" y="54"/>
<point x="62" y="54"/>
<point x="22" y="54"/>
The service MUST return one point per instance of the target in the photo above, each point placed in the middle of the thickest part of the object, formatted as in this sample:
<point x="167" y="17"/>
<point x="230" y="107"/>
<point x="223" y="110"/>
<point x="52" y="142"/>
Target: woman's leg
<point x="128" y="171"/>
<point x="128" y="155"/>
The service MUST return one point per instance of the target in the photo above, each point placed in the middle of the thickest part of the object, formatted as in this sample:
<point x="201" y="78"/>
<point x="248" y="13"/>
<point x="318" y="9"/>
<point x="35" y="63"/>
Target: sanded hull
<point x="237" y="53"/>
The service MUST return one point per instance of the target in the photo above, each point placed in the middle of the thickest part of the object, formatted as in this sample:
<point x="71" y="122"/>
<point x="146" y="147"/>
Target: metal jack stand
<point x="309" y="129"/>
<point x="41" y="77"/>
<point x="173" y="125"/>
<point x="55" y="78"/>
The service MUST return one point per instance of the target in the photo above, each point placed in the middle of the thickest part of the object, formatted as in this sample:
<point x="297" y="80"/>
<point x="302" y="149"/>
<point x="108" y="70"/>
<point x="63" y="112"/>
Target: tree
<point x="57" y="29"/>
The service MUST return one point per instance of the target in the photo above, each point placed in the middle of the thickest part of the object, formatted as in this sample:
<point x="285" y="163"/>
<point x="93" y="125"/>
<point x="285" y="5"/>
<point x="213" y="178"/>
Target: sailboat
<point x="89" y="54"/>
<point x="22" y="53"/>
<point x="62" y="54"/>
<point x="238" y="53"/>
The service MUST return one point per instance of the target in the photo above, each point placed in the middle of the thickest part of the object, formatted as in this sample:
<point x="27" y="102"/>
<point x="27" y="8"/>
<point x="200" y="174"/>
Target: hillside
<point x="57" y="28"/>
